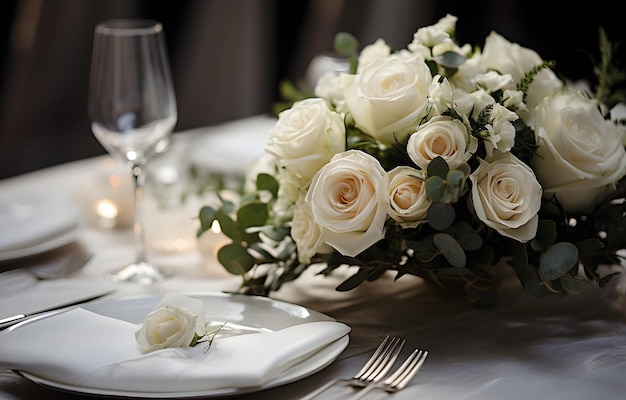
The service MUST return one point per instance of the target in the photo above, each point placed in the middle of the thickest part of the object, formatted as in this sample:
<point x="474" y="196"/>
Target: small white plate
<point x="245" y="314"/>
<point x="233" y="147"/>
<point x="33" y="226"/>
<point x="63" y="239"/>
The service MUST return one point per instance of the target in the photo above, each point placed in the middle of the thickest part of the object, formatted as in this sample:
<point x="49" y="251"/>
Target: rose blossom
<point x="349" y="201"/>
<point x="441" y="136"/>
<point x="618" y="114"/>
<point x="388" y="97"/>
<point x="510" y="58"/>
<point x="499" y="132"/>
<point x="378" y="49"/>
<point x="174" y="322"/>
<point x="506" y="196"/>
<point x="580" y="155"/>
<point x="305" y="137"/>
<point x="408" y="202"/>
<point x="306" y="233"/>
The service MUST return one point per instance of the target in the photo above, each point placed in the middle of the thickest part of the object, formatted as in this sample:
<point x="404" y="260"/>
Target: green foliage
<point x="448" y="63"/>
<point x="445" y="185"/>
<point x="346" y="45"/>
<point x="291" y="92"/>
<point x="451" y="249"/>
<point x="528" y="78"/>
<point x="609" y="75"/>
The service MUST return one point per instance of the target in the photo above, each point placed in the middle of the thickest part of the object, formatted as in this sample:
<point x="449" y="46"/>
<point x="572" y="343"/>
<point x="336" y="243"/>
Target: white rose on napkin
<point x="89" y="350"/>
<point x="177" y="321"/>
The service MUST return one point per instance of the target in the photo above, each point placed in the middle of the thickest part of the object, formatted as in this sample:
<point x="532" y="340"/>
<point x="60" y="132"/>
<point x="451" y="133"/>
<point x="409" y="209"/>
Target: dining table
<point x="560" y="347"/>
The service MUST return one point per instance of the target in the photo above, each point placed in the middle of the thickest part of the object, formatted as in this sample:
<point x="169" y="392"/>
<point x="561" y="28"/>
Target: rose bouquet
<point x="443" y="161"/>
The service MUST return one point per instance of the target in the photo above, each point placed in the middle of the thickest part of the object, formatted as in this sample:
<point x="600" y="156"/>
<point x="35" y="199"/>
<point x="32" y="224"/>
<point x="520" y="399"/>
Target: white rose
<point x="429" y="36"/>
<point x="306" y="136"/>
<point x="618" y="115"/>
<point x="329" y="89"/>
<point x="580" y="155"/>
<point x="441" y="96"/>
<point x="378" y="49"/>
<point x="511" y="58"/>
<point x="514" y="99"/>
<point x="388" y="98"/>
<point x="174" y="322"/>
<point x="492" y="81"/>
<point x="441" y="136"/>
<point x="408" y="202"/>
<point x="349" y="201"/>
<point x="506" y="196"/>
<point x="306" y="233"/>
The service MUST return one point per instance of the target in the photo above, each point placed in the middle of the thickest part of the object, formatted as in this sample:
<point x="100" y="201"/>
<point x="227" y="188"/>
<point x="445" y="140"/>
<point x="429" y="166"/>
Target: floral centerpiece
<point x="439" y="160"/>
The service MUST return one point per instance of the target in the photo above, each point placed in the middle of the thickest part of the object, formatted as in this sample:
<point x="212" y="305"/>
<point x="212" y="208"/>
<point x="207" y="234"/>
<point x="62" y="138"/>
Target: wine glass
<point x="133" y="111"/>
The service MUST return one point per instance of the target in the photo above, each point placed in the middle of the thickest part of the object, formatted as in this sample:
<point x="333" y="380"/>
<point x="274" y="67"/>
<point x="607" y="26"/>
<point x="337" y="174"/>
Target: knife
<point x="14" y="319"/>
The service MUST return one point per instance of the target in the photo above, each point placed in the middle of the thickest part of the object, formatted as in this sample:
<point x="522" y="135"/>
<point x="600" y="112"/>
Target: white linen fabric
<point x="86" y="349"/>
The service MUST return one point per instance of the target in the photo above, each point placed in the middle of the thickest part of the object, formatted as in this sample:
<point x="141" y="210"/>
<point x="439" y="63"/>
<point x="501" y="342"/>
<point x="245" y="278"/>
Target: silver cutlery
<point x="399" y="379"/>
<point x="374" y="369"/>
<point x="15" y="319"/>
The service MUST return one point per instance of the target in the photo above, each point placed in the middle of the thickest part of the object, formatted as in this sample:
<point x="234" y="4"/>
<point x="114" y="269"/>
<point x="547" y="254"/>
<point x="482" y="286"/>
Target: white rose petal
<point x="511" y="58"/>
<point x="173" y="323"/>
<point x="306" y="233"/>
<point x="442" y="136"/>
<point x="305" y="137"/>
<point x="506" y="197"/>
<point x="580" y="155"/>
<point x="349" y="201"/>
<point x="408" y="202"/>
<point x="388" y="98"/>
<point x="379" y="49"/>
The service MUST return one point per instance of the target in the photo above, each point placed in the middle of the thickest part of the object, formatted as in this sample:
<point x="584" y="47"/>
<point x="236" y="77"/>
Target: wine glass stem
<point x="140" y="240"/>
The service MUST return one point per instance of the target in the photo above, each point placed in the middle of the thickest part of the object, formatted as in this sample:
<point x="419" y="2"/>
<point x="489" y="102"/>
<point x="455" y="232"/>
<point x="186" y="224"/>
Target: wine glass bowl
<point x="133" y="111"/>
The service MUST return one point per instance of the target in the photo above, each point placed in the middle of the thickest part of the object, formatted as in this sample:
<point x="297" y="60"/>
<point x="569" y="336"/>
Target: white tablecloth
<point x="558" y="348"/>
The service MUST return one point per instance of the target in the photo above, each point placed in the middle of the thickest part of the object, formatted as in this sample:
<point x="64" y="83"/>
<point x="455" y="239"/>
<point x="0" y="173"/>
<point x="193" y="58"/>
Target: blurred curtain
<point x="222" y="55"/>
<point x="228" y="56"/>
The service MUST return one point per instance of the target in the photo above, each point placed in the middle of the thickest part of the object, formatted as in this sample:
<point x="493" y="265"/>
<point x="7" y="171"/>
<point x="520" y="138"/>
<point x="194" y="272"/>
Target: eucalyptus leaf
<point x="235" y="259"/>
<point x="468" y="238"/>
<point x="440" y="216"/>
<point x="456" y="178"/>
<point x="536" y="288"/>
<point x="227" y="225"/>
<point x="267" y="182"/>
<point x="450" y="59"/>
<point x="451" y="249"/>
<point x="253" y="214"/>
<point x="345" y="44"/>
<point x="207" y="216"/>
<point x="546" y="235"/>
<point x="558" y="260"/>
<point x="438" y="167"/>
<point x="572" y="284"/>
<point x="435" y="188"/>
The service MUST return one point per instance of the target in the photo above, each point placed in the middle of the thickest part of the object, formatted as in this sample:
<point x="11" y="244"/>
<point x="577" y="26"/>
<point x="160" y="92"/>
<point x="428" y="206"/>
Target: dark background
<point x="227" y="56"/>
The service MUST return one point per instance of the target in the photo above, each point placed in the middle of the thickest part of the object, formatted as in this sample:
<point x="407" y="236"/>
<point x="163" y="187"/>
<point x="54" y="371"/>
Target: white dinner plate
<point x="30" y="226"/>
<point x="232" y="148"/>
<point x="243" y="314"/>
<point x="63" y="239"/>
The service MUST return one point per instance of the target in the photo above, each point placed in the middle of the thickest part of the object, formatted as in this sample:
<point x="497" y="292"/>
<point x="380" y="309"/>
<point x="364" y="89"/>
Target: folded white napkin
<point x="85" y="349"/>
<point x="23" y="225"/>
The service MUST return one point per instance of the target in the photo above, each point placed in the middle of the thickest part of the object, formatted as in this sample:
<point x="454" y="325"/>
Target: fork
<point x="399" y="379"/>
<point x="374" y="369"/>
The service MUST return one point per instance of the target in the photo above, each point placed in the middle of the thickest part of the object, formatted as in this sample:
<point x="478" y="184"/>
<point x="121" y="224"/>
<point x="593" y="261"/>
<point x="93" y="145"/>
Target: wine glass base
<point x="143" y="273"/>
